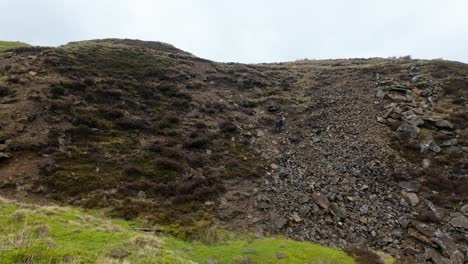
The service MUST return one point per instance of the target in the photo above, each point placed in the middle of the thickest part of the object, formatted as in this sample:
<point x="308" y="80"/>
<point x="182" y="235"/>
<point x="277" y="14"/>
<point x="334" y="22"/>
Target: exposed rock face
<point x="322" y="164"/>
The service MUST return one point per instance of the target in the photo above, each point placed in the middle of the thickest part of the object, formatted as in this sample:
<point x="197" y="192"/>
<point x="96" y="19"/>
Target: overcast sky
<point x="252" y="30"/>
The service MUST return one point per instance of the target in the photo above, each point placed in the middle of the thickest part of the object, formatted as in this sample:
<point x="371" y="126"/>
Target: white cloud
<point x="252" y="31"/>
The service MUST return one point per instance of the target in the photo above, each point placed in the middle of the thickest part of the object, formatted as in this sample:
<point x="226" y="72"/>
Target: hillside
<point x="373" y="153"/>
<point x="5" y="45"/>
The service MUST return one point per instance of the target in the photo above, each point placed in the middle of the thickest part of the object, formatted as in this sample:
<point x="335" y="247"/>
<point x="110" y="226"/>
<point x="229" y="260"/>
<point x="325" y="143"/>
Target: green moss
<point x="79" y="236"/>
<point x="265" y="251"/>
<point x="4" y="45"/>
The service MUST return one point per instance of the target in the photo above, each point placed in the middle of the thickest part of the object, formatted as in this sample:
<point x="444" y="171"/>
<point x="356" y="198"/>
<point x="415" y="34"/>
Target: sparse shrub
<point x="168" y="164"/>
<point x="57" y="91"/>
<point x="173" y="153"/>
<point x="196" y="159"/>
<point x="133" y="170"/>
<point x="4" y="91"/>
<point x="228" y="127"/>
<point x="172" y="118"/>
<point x="198" y="142"/>
<point x="88" y="82"/>
<point x="20" y="215"/>
<point x="111" y="113"/>
<point x="131" y="123"/>
<point x="81" y="131"/>
<point x="144" y="241"/>
<point x="60" y="105"/>
<point x="200" y="125"/>
<point x="233" y="163"/>
<point x="110" y="228"/>
<point x="42" y="230"/>
<point x="180" y="103"/>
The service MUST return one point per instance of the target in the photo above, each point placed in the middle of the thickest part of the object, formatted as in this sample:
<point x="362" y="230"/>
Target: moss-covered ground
<point x="53" y="234"/>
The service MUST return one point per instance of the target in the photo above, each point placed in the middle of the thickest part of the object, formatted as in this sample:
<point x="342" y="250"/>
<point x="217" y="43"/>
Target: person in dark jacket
<point x="279" y="123"/>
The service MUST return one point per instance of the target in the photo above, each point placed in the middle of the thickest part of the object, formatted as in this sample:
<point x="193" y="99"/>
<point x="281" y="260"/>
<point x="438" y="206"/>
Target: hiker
<point x="279" y="123"/>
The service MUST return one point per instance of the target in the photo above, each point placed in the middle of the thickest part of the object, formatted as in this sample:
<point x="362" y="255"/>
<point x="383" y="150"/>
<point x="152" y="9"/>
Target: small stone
<point x="450" y="142"/>
<point x="424" y="229"/>
<point x="412" y="198"/>
<point x="141" y="195"/>
<point x="260" y="133"/>
<point x="32" y="73"/>
<point x="278" y="221"/>
<point x="415" y="234"/>
<point x="436" y="211"/>
<point x="209" y="203"/>
<point x="5" y="156"/>
<point x="457" y="257"/>
<point x="459" y="221"/>
<point x="296" y="218"/>
<point x="436" y="257"/>
<point x="464" y="209"/>
<point x="274" y="166"/>
<point x="248" y="251"/>
<point x="426" y="163"/>
<point x="321" y="200"/>
<point x="447" y="246"/>
<point x="281" y="255"/>
<point x="304" y="199"/>
<point x="410" y="186"/>
<point x="409" y="130"/>
<point x="381" y="120"/>
<point x="444" y="124"/>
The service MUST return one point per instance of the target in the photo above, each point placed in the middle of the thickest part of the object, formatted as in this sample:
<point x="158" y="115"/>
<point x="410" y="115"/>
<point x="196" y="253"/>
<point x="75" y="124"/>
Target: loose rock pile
<point x="329" y="180"/>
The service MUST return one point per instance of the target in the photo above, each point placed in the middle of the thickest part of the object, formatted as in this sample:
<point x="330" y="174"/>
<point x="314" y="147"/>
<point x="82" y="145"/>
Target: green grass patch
<point x="53" y="234"/>
<point x="4" y="45"/>
<point x="267" y="250"/>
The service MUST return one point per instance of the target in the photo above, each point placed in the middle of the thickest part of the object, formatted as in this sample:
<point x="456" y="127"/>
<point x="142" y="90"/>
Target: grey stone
<point x="248" y="251"/>
<point x="437" y="211"/>
<point x="459" y="221"/>
<point x="296" y="218"/>
<point x="277" y="220"/>
<point x="304" y="199"/>
<point x="446" y="244"/>
<point x="340" y="211"/>
<point x="444" y="124"/>
<point x="410" y="186"/>
<point x="426" y="163"/>
<point x="422" y="238"/>
<point x="412" y="198"/>
<point x="457" y="257"/>
<point x="321" y="200"/>
<point x="450" y="142"/>
<point x="464" y="209"/>
<point x="436" y="257"/>
<point x="5" y="156"/>
<point x="280" y="255"/>
<point x="409" y="130"/>
<point x="424" y="229"/>
<point x="141" y="195"/>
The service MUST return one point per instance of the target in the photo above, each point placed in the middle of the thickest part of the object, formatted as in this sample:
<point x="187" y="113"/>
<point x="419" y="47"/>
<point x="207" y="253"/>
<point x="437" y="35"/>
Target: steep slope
<point x="373" y="152"/>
